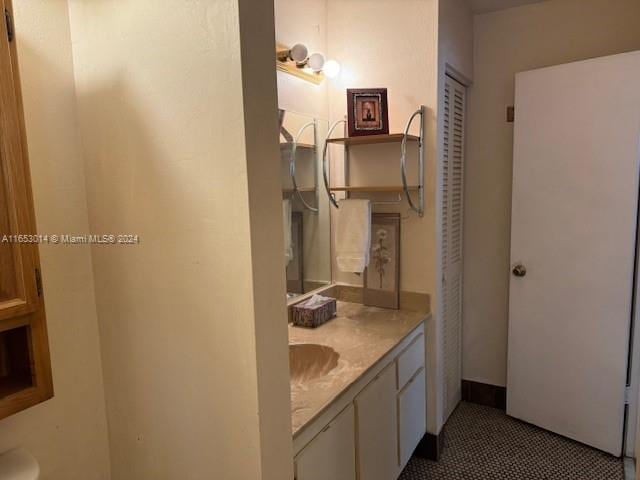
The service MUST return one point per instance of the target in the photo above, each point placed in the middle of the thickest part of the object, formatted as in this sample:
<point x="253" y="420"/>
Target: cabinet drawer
<point x="410" y="361"/>
<point x="412" y="417"/>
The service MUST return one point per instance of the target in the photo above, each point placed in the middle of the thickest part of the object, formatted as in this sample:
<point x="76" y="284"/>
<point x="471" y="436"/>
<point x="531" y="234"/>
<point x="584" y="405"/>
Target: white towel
<point x="353" y="235"/>
<point x="286" y="220"/>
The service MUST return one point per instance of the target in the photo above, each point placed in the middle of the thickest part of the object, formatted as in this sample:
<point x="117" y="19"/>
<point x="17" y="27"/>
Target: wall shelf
<point x="302" y="146"/>
<point x="398" y="138"/>
<point x="299" y="189"/>
<point x="373" y="139"/>
<point x="379" y="189"/>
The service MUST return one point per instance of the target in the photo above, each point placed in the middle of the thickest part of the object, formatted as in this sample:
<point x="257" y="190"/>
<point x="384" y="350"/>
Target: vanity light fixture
<point x="298" y="53"/>
<point x="316" y="62"/>
<point x="297" y="61"/>
<point x="331" y="69"/>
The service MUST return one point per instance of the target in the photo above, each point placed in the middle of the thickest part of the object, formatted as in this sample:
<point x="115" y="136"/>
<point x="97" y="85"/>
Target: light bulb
<point x="331" y="69"/>
<point x="316" y="62"/>
<point x="298" y="53"/>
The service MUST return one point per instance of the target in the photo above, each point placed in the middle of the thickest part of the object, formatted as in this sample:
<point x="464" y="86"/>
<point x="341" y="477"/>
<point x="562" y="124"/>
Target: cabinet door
<point x="412" y="416"/>
<point x="331" y="455"/>
<point x="377" y="428"/>
<point x="25" y="371"/>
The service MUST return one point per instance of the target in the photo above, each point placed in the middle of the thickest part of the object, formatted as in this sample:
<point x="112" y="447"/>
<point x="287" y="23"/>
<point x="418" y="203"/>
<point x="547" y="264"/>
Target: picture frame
<point x="367" y="111"/>
<point x="382" y="276"/>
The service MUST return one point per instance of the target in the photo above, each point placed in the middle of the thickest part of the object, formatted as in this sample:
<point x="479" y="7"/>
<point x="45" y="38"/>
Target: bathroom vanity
<point x="358" y="393"/>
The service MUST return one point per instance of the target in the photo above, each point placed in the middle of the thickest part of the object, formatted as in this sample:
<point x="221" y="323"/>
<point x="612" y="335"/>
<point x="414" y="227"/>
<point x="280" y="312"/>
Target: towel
<point x="286" y="220"/>
<point x="353" y="235"/>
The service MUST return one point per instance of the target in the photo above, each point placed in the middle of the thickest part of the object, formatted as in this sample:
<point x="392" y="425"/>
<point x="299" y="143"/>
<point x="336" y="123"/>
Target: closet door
<point x="451" y="241"/>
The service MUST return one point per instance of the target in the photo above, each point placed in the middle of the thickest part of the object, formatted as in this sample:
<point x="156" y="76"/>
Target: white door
<point x="575" y="196"/>
<point x="450" y="293"/>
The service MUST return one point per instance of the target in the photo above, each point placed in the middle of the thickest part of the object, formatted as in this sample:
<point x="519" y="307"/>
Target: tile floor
<point x="483" y="443"/>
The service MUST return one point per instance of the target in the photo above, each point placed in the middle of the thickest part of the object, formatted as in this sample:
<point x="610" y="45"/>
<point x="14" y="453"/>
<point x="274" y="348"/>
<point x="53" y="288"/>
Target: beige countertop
<point x="362" y="336"/>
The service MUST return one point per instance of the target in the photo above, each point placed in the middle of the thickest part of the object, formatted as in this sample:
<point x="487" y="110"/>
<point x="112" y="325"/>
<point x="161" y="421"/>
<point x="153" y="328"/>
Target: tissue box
<point x="312" y="314"/>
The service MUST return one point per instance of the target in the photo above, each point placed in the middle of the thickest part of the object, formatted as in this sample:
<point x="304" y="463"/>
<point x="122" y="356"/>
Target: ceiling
<point x="484" y="6"/>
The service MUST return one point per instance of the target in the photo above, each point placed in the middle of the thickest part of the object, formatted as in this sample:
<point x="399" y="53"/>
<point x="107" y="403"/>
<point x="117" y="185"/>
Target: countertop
<point x="362" y="336"/>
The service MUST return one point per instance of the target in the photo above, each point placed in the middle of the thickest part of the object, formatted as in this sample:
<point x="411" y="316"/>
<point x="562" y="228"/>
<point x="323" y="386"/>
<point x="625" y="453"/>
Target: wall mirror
<point x="307" y="248"/>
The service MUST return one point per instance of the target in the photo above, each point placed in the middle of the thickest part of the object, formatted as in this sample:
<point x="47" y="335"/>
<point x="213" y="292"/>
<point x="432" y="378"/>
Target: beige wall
<point x="455" y="57"/>
<point x="302" y="22"/>
<point x="506" y="42"/>
<point x="306" y="22"/>
<point x="373" y="60"/>
<point x="455" y="39"/>
<point x="180" y="143"/>
<point x="68" y="434"/>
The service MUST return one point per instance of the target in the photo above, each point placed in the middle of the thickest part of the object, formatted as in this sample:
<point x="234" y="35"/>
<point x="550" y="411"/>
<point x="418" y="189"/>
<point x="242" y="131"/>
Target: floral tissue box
<point x="314" y="312"/>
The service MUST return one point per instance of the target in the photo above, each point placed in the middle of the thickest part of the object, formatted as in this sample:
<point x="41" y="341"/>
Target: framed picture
<point x="295" y="269"/>
<point x="368" y="113"/>
<point x="382" y="276"/>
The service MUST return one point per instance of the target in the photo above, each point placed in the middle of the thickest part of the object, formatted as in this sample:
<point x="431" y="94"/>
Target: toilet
<point x="18" y="464"/>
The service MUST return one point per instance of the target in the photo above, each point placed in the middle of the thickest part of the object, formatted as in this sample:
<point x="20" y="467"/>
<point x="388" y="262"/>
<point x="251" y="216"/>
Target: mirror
<point x="307" y="249"/>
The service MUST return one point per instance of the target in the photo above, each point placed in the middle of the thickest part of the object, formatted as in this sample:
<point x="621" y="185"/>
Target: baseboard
<point x="629" y="469"/>
<point x="430" y="447"/>
<point x="484" y="394"/>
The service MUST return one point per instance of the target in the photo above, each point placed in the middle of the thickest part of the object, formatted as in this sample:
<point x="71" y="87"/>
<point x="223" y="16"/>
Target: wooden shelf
<point x="385" y="189"/>
<point x="373" y="139"/>
<point x="300" y="189"/>
<point x="11" y="386"/>
<point x="303" y="146"/>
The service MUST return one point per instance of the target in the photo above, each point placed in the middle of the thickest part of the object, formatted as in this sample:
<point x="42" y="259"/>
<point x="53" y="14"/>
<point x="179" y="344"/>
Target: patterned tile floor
<point x="482" y="443"/>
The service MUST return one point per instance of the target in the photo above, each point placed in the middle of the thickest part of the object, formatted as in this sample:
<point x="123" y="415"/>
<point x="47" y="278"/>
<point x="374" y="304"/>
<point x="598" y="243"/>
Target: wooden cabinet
<point x="412" y="416"/>
<point x="25" y="371"/>
<point x="377" y="428"/>
<point x="330" y="455"/>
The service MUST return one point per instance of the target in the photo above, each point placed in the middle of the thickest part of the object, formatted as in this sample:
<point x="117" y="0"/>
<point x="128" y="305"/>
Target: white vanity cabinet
<point x="331" y="455"/>
<point x="375" y="425"/>
<point x="377" y="428"/>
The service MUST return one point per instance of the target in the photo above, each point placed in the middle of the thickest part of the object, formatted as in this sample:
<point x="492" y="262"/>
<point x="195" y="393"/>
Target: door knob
<point x="519" y="270"/>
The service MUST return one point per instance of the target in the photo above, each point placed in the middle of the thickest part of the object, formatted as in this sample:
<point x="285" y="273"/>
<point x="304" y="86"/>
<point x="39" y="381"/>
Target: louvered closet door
<point x="451" y="250"/>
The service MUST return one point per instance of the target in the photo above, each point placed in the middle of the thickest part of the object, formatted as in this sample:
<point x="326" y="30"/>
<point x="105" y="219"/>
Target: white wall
<point x="68" y="434"/>
<point x="507" y="42"/>
<point x="179" y="120"/>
